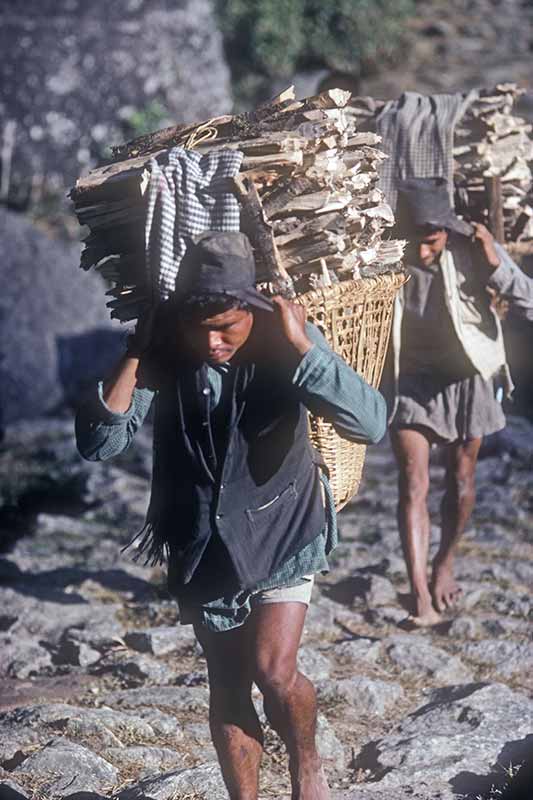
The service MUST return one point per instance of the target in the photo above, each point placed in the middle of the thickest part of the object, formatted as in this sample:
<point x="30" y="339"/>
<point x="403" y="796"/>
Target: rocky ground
<point x="104" y="696"/>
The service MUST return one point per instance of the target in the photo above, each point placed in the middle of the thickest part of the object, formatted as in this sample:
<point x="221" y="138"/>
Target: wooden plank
<point x="493" y="187"/>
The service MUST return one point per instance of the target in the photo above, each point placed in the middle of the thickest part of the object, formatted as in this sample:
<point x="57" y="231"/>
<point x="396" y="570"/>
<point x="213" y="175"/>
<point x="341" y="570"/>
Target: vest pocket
<point x="268" y="514"/>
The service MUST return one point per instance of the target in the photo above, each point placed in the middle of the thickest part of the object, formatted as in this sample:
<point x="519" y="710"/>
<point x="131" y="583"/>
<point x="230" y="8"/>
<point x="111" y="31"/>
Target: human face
<point x="428" y="247"/>
<point x="217" y="339"/>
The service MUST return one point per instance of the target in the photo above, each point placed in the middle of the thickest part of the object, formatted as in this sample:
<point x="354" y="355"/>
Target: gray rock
<point x="454" y="739"/>
<point x="156" y="62"/>
<point x="74" y="768"/>
<point x="361" y="695"/>
<point x="158" y="641"/>
<point x="109" y="726"/>
<point x="320" y="616"/>
<point x="148" y="759"/>
<point x="22" y="658"/>
<point x="413" y="654"/>
<point x="163" y="725"/>
<point x="54" y="326"/>
<point x="328" y="745"/>
<point x="174" y="698"/>
<point x="72" y="651"/>
<point x="380" y="592"/>
<point x="386" y="615"/>
<point x="506" y="658"/>
<point x="465" y="628"/>
<point x="367" y="650"/>
<point x="138" y="668"/>
<point x="516" y="439"/>
<point x="314" y="664"/>
<point x="205" y="781"/>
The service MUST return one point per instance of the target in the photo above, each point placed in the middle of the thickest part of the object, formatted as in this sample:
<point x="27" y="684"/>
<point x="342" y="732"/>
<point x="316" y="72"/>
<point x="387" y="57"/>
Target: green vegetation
<point x="270" y="39"/>
<point x="145" y="120"/>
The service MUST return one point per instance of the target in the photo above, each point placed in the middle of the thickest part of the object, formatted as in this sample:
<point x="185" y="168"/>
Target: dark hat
<point x="425" y="202"/>
<point x="220" y="263"/>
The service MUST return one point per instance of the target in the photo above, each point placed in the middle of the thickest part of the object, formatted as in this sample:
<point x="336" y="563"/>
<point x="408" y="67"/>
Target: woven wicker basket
<point x="355" y="317"/>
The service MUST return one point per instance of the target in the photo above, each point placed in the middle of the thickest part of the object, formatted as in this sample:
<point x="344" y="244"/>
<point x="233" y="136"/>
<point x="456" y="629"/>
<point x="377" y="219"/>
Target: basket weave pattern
<point x="355" y="317"/>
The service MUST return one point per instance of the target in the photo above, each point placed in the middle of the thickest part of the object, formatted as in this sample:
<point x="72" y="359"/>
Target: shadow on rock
<point x="51" y="585"/>
<point x="513" y="754"/>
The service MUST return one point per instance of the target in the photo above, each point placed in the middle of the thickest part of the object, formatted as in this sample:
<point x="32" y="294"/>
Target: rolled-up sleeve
<point x="509" y="280"/>
<point x="331" y="389"/>
<point x="102" y="433"/>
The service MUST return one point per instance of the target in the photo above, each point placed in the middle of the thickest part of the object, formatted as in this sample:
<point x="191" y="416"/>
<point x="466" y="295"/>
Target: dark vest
<point x="259" y="491"/>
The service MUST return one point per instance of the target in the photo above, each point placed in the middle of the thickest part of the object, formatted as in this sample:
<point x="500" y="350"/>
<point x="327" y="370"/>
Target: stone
<point x="148" y="758"/>
<point x="22" y="658"/>
<point x="158" y="641"/>
<point x="386" y="615"/>
<point x="108" y="725"/>
<point x="413" y="654"/>
<point x="174" y="698"/>
<point x="328" y="745"/>
<point x="380" y="592"/>
<point x="506" y="658"/>
<point x="140" y="668"/>
<point x="365" y="650"/>
<point x="73" y="767"/>
<point x="361" y="694"/>
<point x="205" y="781"/>
<point x="54" y="325"/>
<point x="71" y="651"/>
<point x="314" y="664"/>
<point x="454" y="739"/>
<point x="95" y="85"/>
<point x="465" y="628"/>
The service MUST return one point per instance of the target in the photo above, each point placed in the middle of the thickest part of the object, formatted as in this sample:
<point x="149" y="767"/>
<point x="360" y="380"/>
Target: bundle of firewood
<point x="490" y="142"/>
<point x="307" y="191"/>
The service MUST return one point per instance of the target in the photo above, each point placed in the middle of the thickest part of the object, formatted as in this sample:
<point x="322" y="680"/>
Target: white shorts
<point x="286" y="594"/>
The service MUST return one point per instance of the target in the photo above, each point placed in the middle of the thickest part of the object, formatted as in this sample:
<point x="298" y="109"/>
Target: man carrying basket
<point x="450" y="375"/>
<point x="240" y="506"/>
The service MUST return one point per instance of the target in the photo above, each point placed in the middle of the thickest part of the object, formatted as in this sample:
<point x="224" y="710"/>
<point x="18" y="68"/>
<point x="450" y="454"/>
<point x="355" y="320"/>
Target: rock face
<point x="54" y="326"/>
<point x="83" y="71"/>
<point x="103" y="693"/>
<point x="457" y="734"/>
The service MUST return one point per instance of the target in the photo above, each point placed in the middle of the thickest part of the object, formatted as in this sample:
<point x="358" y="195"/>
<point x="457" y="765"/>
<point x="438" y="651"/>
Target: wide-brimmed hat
<point x="425" y="202"/>
<point x="220" y="263"/>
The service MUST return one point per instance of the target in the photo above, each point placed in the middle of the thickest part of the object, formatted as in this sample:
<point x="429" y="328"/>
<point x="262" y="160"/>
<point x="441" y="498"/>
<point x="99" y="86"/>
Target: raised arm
<point x="328" y="387"/>
<point x="504" y="276"/>
<point x="109" y="417"/>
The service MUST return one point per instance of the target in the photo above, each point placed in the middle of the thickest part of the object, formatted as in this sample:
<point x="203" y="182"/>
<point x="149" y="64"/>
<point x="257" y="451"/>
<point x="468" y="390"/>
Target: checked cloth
<point x="417" y="135"/>
<point x="188" y="193"/>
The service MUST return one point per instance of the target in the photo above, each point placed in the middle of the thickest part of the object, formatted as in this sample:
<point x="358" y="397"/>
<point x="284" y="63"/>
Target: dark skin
<point x="263" y="650"/>
<point x="411" y="447"/>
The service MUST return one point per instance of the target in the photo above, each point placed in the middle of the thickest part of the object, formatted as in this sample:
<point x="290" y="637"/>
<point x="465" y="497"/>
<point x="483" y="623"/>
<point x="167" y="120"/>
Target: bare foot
<point x="431" y="617"/>
<point x="310" y="784"/>
<point x="423" y="614"/>
<point x="444" y="588"/>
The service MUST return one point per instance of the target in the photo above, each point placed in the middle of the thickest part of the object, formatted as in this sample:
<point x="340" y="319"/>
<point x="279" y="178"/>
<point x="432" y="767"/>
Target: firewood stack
<point x="489" y="142"/>
<point x="307" y="190"/>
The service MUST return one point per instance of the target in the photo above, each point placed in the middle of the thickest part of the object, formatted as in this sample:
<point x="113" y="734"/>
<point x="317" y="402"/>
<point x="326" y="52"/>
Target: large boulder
<point x="90" y="74"/>
<point x="55" y="331"/>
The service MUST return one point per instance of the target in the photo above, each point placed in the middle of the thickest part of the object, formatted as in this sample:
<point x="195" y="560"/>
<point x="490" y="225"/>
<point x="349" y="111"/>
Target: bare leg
<point x="289" y="697"/>
<point x="235" y="727"/>
<point x="411" y="448"/>
<point x="456" y="508"/>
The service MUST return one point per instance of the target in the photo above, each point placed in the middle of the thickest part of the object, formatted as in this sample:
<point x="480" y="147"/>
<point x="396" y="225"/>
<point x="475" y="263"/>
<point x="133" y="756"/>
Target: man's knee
<point x="414" y="484"/>
<point x="275" y="673"/>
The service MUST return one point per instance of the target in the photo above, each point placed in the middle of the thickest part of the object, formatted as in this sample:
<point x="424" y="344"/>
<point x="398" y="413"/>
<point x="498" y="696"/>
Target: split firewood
<point x="307" y="190"/>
